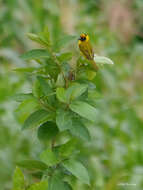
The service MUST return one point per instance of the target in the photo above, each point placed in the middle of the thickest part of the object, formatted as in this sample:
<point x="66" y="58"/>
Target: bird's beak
<point x="79" y="38"/>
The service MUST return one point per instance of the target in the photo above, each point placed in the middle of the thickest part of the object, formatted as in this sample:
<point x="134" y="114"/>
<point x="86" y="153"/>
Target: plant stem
<point x="58" y="64"/>
<point x="53" y="143"/>
<point x="47" y="107"/>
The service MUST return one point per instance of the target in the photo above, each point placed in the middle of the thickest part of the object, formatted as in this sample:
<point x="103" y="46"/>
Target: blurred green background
<point x="114" y="157"/>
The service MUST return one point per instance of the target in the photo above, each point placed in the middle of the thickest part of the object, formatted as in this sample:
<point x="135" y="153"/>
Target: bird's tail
<point x="94" y="65"/>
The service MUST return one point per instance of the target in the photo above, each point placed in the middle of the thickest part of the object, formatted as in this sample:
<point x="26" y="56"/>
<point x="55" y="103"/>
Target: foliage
<point x="111" y="146"/>
<point x="58" y="107"/>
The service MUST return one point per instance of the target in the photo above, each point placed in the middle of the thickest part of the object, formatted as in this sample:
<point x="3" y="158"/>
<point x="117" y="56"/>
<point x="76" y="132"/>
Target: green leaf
<point x="36" y="89"/>
<point x="78" y="170"/>
<point x="41" y="39"/>
<point x="75" y="91"/>
<point x="46" y="90"/>
<point x="60" y="93"/>
<point x="37" y="118"/>
<point x="79" y="130"/>
<point x="102" y="60"/>
<point x="45" y="36"/>
<point x="21" y="97"/>
<point x="49" y="157"/>
<point x="64" y="56"/>
<point x="33" y="37"/>
<point x="63" y="120"/>
<point x="46" y="33"/>
<point x="84" y="109"/>
<point x="71" y="93"/>
<point x="67" y="186"/>
<point x="32" y="164"/>
<point x="35" y="54"/>
<point x="25" y="108"/>
<point x="90" y="74"/>
<point x="44" y="86"/>
<point x="67" y="149"/>
<point x="94" y="95"/>
<point x="56" y="183"/>
<point x="47" y="131"/>
<point x="18" y="180"/>
<point x="60" y="80"/>
<point x="42" y="185"/>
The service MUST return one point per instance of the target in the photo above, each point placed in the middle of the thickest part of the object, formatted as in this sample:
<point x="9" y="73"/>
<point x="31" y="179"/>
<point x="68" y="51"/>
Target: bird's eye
<point x="83" y="38"/>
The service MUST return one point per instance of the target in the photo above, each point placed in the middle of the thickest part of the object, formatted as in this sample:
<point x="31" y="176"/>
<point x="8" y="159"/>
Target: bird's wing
<point x="86" y="50"/>
<point x="91" y="50"/>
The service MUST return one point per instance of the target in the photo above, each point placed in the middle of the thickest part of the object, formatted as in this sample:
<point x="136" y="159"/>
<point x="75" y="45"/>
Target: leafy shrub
<point x="61" y="102"/>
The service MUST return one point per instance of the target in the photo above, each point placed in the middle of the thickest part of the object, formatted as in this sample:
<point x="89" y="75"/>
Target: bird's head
<point x="83" y="37"/>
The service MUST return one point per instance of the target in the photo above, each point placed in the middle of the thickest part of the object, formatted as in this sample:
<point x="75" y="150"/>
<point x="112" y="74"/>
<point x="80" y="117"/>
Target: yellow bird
<point x="86" y="49"/>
